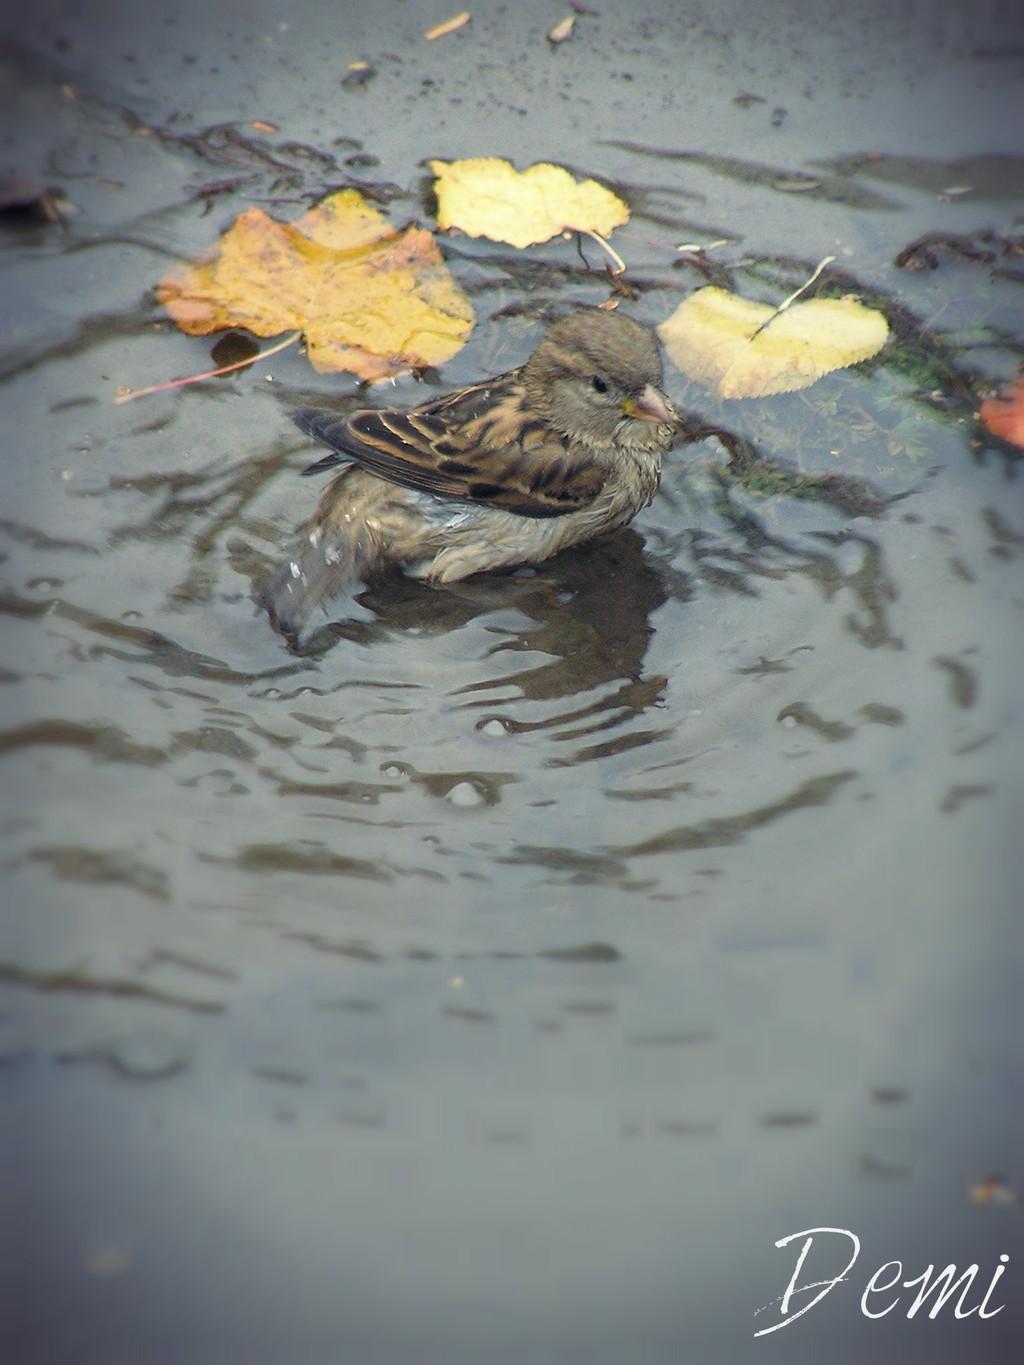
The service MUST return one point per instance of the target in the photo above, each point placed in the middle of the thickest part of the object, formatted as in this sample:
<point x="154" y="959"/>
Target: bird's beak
<point x="651" y="406"/>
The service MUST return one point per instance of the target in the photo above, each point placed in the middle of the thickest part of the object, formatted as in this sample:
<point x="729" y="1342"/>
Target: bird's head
<point x="596" y="377"/>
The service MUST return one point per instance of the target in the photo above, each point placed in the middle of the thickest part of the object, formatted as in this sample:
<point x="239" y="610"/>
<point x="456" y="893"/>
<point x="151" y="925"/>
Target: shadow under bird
<point x="506" y="472"/>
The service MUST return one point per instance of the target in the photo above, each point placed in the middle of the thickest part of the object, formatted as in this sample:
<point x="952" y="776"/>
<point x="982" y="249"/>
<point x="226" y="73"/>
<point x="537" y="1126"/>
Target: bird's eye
<point x="599" y="385"/>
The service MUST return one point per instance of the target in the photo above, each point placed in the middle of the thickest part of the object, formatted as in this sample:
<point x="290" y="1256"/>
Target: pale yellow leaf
<point x="562" y="30"/>
<point x="488" y="197"/>
<point x="711" y="338"/>
<point x="449" y="26"/>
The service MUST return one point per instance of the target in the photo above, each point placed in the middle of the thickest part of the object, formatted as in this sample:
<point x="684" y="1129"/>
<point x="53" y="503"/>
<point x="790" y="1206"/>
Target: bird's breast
<point x="635" y="480"/>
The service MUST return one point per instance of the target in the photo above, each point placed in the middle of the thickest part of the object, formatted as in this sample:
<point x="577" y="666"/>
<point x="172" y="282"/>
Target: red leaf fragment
<point x="1004" y="415"/>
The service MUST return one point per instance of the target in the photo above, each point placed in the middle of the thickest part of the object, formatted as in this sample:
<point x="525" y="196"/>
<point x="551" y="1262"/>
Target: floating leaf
<point x="358" y="76"/>
<point x="993" y="1190"/>
<point x="727" y="342"/>
<point x="488" y="197"/>
<point x="451" y="25"/>
<point x="562" y="30"/>
<point x="1004" y="416"/>
<point x="369" y="299"/>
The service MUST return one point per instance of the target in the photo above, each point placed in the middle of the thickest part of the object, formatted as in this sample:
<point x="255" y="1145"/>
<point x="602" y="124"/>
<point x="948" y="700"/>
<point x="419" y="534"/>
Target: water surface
<point x="509" y="971"/>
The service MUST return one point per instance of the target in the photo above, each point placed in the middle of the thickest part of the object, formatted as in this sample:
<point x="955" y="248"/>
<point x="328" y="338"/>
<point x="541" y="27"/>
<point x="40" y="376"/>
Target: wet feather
<point x="508" y="471"/>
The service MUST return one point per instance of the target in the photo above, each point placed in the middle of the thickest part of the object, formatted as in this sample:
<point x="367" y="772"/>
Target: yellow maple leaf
<point x="713" y="337"/>
<point x="368" y="298"/>
<point x="488" y="197"/>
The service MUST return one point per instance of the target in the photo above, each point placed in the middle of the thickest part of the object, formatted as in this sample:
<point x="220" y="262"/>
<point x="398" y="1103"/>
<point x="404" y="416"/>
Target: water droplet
<point x="493" y="727"/>
<point x="464" y="794"/>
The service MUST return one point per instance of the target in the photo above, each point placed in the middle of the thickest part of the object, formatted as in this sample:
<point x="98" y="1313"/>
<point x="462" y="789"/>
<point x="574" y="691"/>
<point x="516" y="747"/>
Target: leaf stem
<point x="793" y="297"/>
<point x="617" y="261"/>
<point x="128" y="397"/>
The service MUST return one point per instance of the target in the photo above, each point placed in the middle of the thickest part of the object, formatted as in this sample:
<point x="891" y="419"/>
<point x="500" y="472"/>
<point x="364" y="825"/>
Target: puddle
<point x="660" y="901"/>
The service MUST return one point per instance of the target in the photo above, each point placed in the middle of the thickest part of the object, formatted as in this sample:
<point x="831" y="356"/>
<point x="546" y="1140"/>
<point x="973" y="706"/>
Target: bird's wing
<point x="479" y="445"/>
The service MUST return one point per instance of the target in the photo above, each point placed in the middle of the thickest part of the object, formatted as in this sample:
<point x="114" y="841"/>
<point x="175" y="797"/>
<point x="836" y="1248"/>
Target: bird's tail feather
<point x="330" y="430"/>
<point x="310" y="577"/>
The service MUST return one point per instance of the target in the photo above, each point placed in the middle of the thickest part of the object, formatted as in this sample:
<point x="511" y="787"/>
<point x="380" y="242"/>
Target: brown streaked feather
<point x="476" y="400"/>
<point x="509" y="471"/>
<point x="472" y="446"/>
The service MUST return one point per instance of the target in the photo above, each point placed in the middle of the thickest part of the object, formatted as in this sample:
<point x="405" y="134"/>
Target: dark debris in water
<point x="922" y="253"/>
<point x="232" y="347"/>
<point x="358" y="77"/>
<point x="22" y="199"/>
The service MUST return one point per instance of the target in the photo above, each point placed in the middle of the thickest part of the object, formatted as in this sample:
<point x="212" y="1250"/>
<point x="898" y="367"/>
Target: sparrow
<point x="506" y="472"/>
